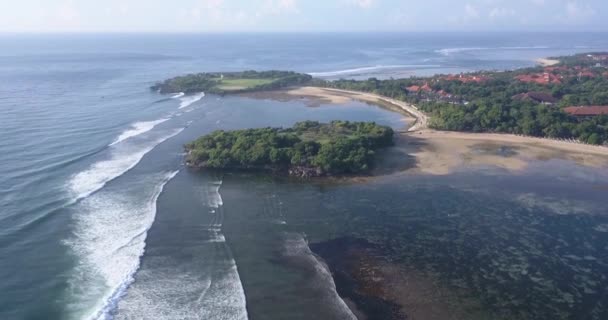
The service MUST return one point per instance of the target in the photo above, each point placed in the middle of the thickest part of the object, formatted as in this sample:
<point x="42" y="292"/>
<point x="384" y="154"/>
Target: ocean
<point x="100" y="219"/>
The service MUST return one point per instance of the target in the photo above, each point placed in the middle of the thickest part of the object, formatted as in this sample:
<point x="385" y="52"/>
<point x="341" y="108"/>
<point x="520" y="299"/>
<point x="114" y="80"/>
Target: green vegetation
<point x="307" y="149"/>
<point x="490" y="105"/>
<point x="231" y="82"/>
<point x="240" y="84"/>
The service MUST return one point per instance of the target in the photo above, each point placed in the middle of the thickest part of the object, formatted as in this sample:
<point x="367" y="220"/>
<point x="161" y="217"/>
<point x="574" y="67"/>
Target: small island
<point x="231" y="82"/>
<point x="308" y="149"/>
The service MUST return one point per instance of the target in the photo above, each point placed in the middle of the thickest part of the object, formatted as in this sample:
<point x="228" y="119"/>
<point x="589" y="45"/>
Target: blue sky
<point x="301" y="15"/>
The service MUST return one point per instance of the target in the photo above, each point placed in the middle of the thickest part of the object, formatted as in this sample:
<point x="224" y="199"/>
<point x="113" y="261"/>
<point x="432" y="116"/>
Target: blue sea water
<point x="87" y="150"/>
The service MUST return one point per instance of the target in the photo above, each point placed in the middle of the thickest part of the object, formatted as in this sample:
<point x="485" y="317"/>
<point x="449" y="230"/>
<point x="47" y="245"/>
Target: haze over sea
<point x="99" y="219"/>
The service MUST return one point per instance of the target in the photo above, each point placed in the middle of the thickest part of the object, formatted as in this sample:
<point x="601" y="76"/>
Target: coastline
<point x="442" y="152"/>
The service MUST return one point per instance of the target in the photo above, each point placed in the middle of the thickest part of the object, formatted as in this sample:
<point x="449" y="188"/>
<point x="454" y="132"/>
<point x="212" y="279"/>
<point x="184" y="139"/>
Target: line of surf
<point x="121" y="161"/>
<point x="114" y="257"/>
<point x="370" y="69"/>
<point x="448" y="51"/>
<point x="136" y="129"/>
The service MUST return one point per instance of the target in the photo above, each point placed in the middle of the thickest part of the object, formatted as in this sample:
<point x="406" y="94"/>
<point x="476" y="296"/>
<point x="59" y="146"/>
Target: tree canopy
<point x="309" y="148"/>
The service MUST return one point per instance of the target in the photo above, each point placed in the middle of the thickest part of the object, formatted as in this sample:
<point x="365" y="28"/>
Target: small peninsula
<point x="231" y="82"/>
<point x="308" y="149"/>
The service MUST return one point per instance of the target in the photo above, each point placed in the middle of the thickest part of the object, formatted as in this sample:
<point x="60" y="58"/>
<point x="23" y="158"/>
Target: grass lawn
<point x="240" y="84"/>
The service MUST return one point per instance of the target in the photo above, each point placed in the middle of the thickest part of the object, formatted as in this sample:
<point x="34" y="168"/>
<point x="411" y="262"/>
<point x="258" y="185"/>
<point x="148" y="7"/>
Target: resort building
<point x="540" y="78"/>
<point x="585" y="112"/>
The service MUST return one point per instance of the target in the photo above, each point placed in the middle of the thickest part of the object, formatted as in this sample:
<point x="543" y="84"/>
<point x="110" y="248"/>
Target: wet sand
<point x="442" y="152"/>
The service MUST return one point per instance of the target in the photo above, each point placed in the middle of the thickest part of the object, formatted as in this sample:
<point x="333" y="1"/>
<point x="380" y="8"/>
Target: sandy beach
<point x="442" y="152"/>
<point x="547" y="62"/>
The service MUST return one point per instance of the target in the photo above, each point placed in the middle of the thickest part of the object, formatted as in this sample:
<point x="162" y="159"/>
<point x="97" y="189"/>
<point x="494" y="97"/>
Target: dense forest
<point x="307" y="149"/>
<point x="466" y="103"/>
<point x="231" y="82"/>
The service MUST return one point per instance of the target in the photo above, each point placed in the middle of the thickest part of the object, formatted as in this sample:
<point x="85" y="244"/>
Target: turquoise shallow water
<point x="99" y="218"/>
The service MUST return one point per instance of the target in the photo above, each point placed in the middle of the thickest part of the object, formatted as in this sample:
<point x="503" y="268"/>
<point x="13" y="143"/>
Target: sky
<point x="301" y="15"/>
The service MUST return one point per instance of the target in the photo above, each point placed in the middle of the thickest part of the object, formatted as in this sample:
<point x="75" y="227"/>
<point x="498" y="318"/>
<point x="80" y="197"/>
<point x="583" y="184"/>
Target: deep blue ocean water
<point x="87" y="150"/>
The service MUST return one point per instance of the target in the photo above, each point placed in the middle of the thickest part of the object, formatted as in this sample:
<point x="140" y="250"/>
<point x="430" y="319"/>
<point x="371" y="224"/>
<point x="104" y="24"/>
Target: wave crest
<point x="136" y="129"/>
<point x="187" y="101"/>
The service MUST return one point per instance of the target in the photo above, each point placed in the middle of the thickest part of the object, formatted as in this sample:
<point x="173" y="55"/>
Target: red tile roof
<point x="413" y="88"/>
<point x="540" y="78"/>
<point x="583" y="111"/>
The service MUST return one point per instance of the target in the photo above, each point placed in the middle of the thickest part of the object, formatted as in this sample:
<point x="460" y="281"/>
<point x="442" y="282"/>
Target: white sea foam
<point x="205" y="287"/>
<point x="296" y="249"/>
<point x="187" y="101"/>
<point x="214" y="198"/>
<point x="369" y="69"/>
<point x="179" y="95"/>
<point x="109" y="240"/>
<point x="136" y="129"/>
<point x="121" y="160"/>
<point x="449" y="51"/>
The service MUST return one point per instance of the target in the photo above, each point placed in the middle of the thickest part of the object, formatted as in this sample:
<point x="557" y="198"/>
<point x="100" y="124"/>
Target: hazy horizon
<point x="298" y="16"/>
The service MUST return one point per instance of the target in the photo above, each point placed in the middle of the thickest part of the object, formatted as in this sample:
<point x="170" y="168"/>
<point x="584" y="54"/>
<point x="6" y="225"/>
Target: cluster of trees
<point x="210" y="82"/>
<point x="489" y="106"/>
<point x="339" y="147"/>
<point x="526" y="119"/>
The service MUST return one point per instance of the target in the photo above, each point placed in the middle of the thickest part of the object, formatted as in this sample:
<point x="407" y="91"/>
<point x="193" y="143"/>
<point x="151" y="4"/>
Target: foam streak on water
<point x="368" y="69"/>
<point x="109" y="240"/>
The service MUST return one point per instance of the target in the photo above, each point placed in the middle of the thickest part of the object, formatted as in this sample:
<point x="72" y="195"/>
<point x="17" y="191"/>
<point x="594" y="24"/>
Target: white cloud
<point x="578" y="13"/>
<point x="471" y="12"/>
<point x="498" y="13"/>
<point x="66" y="12"/>
<point x="400" y="18"/>
<point x="278" y="7"/>
<point x="364" y="4"/>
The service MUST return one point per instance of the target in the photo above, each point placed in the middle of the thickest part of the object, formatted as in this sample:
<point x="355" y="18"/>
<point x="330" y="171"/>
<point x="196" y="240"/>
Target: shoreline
<point x="442" y="152"/>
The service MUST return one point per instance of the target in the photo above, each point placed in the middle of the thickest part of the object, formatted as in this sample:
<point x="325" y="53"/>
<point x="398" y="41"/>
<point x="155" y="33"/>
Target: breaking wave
<point x="298" y="252"/>
<point x="136" y="129"/>
<point x="449" y="51"/>
<point x="121" y="160"/>
<point x="207" y="286"/>
<point x="186" y="101"/>
<point x="109" y="240"/>
<point x="370" y="69"/>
